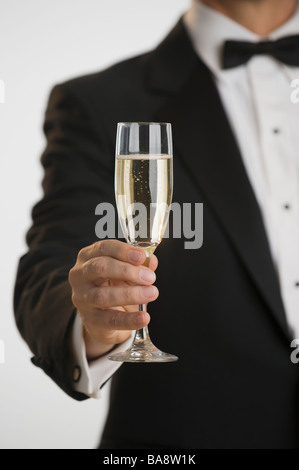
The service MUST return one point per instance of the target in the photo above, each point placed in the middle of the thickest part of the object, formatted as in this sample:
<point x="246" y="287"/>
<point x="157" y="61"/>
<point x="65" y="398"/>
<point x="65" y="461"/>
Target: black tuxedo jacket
<point x="219" y="308"/>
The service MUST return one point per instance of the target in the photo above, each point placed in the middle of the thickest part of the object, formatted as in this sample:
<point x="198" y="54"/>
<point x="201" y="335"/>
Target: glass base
<point x="146" y="353"/>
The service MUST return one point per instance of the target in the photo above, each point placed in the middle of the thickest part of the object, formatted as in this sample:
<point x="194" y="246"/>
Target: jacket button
<point x="76" y="374"/>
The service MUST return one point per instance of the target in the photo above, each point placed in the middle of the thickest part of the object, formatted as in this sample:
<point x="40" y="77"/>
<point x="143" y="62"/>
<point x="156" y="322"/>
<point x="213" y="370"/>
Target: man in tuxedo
<point x="230" y="309"/>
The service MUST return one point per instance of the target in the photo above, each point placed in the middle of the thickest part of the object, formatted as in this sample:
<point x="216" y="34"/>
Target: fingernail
<point x="135" y="256"/>
<point x="148" y="292"/>
<point x="147" y="275"/>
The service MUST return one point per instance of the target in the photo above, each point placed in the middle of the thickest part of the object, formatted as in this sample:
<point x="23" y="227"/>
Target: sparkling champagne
<point x="143" y="189"/>
<point x="143" y="193"/>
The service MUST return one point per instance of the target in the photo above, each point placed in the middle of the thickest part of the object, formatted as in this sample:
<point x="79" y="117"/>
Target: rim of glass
<point x="126" y="123"/>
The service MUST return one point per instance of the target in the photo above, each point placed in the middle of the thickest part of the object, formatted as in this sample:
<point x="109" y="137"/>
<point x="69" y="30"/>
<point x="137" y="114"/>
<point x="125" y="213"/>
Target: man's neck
<point x="259" y="16"/>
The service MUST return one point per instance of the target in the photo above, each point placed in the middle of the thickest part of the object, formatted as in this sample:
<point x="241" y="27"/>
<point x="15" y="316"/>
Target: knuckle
<point x="113" y="320"/>
<point x="100" y="266"/>
<point x="99" y="247"/>
<point x="82" y="253"/>
<point x="126" y="271"/>
<point x="75" y="299"/>
<point x="72" y="275"/>
<point x="93" y="250"/>
<point x="99" y="297"/>
<point x="128" y="296"/>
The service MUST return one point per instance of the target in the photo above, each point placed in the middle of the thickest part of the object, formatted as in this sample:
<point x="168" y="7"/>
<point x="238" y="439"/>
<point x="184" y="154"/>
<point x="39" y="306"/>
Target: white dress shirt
<point x="256" y="98"/>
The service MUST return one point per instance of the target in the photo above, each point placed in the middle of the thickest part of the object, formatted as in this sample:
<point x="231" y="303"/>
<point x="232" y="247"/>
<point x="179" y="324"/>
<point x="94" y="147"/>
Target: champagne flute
<point x="143" y="191"/>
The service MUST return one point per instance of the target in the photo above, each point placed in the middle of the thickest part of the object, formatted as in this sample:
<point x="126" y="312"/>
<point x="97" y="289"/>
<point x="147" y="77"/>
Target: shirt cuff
<point x="89" y="377"/>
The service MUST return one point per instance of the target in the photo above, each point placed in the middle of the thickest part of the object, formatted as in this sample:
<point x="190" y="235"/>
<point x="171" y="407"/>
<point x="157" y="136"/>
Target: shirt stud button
<point x="287" y="207"/>
<point x="297" y="284"/>
<point x="276" y="130"/>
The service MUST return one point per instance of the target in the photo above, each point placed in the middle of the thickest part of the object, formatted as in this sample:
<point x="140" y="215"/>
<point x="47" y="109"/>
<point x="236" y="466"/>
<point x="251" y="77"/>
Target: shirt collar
<point x="209" y="29"/>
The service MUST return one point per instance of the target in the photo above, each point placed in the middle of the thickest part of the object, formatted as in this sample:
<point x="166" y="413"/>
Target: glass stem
<point x="142" y="335"/>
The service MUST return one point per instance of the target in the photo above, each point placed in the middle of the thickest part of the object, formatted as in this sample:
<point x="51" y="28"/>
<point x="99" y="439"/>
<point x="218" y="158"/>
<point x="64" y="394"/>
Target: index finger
<point x="116" y="249"/>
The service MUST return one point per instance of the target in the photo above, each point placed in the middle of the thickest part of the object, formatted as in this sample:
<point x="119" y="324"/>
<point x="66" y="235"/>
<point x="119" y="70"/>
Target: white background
<point x="43" y="42"/>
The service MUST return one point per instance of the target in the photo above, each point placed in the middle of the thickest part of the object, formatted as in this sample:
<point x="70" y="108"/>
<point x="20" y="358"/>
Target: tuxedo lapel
<point x="204" y="141"/>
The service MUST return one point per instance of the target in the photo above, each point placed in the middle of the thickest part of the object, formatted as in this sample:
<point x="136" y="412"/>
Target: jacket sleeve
<point x="78" y="175"/>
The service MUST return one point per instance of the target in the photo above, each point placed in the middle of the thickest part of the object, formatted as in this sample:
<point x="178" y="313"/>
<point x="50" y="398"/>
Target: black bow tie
<point x="285" y="50"/>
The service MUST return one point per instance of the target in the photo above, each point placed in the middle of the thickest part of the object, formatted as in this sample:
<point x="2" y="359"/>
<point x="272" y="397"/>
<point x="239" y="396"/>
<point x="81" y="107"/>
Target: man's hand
<point x="108" y="283"/>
